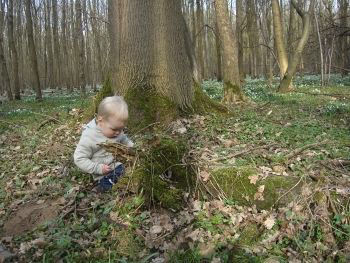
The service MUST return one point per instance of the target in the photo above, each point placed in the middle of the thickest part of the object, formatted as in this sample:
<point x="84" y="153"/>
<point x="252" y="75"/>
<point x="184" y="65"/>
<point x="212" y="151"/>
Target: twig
<point x="44" y="115"/>
<point x="46" y="122"/>
<point x="152" y="124"/>
<point x="243" y="152"/>
<point x="287" y="192"/>
<point x="305" y="147"/>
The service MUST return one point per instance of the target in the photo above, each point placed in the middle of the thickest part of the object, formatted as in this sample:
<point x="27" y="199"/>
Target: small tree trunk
<point x="218" y="53"/>
<point x="13" y="52"/>
<point x="321" y="49"/>
<point x="81" y="45"/>
<point x="3" y="65"/>
<point x="239" y="22"/>
<point x="232" y="89"/>
<point x="48" y="38"/>
<point x="199" y="38"/>
<point x="285" y="85"/>
<point x="279" y="43"/>
<point x="56" y="43"/>
<point x="32" y="52"/>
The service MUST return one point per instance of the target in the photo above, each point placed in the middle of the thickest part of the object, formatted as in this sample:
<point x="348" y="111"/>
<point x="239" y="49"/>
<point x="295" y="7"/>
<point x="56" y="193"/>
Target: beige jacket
<point x="89" y="156"/>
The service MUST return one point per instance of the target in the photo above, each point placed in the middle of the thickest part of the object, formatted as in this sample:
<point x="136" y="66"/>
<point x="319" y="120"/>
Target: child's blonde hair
<point x="114" y="105"/>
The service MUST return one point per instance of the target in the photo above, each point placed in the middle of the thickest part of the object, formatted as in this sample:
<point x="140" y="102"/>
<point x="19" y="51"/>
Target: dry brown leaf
<point x="204" y="176"/>
<point x="253" y="179"/>
<point x="155" y="230"/>
<point x="269" y="222"/>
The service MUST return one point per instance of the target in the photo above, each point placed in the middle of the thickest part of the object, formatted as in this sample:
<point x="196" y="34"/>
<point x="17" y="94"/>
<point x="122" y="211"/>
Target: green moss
<point x="164" y="177"/>
<point x="236" y="184"/>
<point x="203" y="103"/>
<point x="249" y="235"/>
<point x="234" y="91"/>
<point x="146" y="106"/>
<point x="126" y="244"/>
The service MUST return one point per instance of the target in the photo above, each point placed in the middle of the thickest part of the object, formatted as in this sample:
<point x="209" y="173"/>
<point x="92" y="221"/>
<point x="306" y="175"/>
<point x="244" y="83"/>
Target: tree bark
<point x="155" y="58"/>
<point x="32" y="52"/>
<point x="3" y="64"/>
<point x="232" y="89"/>
<point x="13" y="52"/>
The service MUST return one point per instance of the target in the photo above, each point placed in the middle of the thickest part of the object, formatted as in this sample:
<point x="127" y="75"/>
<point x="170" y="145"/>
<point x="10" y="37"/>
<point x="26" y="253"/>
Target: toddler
<point x="108" y="126"/>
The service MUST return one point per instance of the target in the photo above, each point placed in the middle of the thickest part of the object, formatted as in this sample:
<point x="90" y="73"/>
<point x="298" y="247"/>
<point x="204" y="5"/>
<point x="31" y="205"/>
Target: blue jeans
<point x="106" y="183"/>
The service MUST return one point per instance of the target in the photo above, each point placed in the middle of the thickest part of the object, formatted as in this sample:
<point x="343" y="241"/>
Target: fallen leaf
<point x="156" y="230"/>
<point x="269" y="222"/>
<point x="206" y="249"/>
<point x="196" y="205"/>
<point x="205" y="176"/>
<point x="253" y="179"/>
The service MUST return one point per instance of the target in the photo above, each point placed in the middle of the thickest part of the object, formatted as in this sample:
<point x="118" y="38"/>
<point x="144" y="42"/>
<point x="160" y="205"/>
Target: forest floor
<point x="48" y="212"/>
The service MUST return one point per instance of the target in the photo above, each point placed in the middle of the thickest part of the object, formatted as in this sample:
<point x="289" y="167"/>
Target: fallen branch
<point x="46" y="122"/>
<point x="325" y="94"/>
<point x="301" y="149"/>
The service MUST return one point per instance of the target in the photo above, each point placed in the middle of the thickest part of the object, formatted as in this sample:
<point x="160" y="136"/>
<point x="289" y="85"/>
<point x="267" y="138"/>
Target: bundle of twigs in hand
<point x="120" y="152"/>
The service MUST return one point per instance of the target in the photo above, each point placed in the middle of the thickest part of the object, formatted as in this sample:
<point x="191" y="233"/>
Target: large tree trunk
<point x="3" y="65"/>
<point x="279" y="43"/>
<point x="232" y="89"/>
<point x="13" y="52"/>
<point x="154" y="58"/>
<point x="285" y="85"/>
<point x="32" y="52"/>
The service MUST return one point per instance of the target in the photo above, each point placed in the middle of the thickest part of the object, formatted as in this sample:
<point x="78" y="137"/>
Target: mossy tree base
<point x="163" y="175"/>
<point x="232" y="93"/>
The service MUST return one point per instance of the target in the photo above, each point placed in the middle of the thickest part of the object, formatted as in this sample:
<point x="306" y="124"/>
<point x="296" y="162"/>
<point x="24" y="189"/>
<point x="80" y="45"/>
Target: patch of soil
<point x="29" y="216"/>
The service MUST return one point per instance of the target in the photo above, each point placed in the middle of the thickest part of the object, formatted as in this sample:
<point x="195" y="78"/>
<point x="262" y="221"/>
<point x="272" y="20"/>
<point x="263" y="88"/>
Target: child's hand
<point x="106" y="169"/>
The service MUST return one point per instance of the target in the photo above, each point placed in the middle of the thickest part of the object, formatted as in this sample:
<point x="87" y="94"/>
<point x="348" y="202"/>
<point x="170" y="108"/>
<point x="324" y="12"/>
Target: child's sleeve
<point x="125" y="140"/>
<point x="82" y="158"/>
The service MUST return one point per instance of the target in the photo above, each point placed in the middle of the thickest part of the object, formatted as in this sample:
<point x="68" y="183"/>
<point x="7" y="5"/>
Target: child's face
<point x="111" y="126"/>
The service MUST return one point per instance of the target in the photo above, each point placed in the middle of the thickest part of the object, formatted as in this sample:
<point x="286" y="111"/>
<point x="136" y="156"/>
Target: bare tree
<point x="285" y="84"/>
<point x="3" y="64"/>
<point x="13" y="51"/>
<point x="32" y="52"/>
<point x="232" y="89"/>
